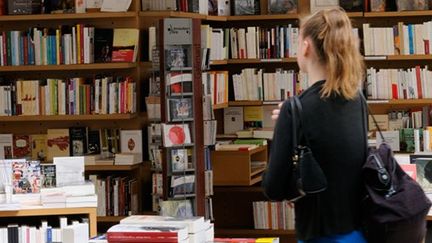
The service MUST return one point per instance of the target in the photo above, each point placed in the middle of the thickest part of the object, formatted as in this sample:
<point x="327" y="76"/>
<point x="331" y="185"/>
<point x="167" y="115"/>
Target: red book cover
<point x="81" y="29"/>
<point x="215" y="88"/>
<point x="410" y="169"/>
<point x="88" y="99"/>
<point x="21" y="146"/>
<point x="427" y="51"/>
<point x="394" y="91"/>
<point x="141" y="233"/>
<point x="4" y="46"/>
<point x="419" y="83"/>
<point x="25" y="46"/>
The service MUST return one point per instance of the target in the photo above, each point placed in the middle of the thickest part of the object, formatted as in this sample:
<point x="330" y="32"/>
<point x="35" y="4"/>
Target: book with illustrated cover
<point x="26" y="177"/>
<point x="352" y="6"/>
<point x="93" y="142"/>
<point x="176" y="134"/>
<point x="176" y="208"/>
<point x="180" y="160"/>
<point x="48" y="172"/>
<point x="103" y="43"/>
<point x="282" y="6"/>
<point x="22" y="146"/>
<point x="131" y="141"/>
<point x="177" y="57"/>
<point x="179" y="83"/>
<point x="180" y="109"/>
<point x="6" y="144"/>
<point x="182" y="185"/>
<point x="78" y="141"/>
<point x="125" y="45"/>
<point x="39" y="147"/>
<point x="424" y="172"/>
<point x="246" y="7"/>
<point x="57" y="143"/>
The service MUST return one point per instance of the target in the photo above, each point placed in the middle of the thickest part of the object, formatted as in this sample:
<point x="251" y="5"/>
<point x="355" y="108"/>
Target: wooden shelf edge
<point x="47" y="211"/>
<point x="398" y="14"/>
<point x="400" y="102"/>
<point x="70" y="67"/>
<point x="220" y="106"/>
<point x="90" y="168"/>
<point x="263" y="17"/>
<point x="97" y="15"/>
<point x="245" y="103"/>
<point x="67" y="117"/>
<point x="252" y="232"/>
<point x="110" y="219"/>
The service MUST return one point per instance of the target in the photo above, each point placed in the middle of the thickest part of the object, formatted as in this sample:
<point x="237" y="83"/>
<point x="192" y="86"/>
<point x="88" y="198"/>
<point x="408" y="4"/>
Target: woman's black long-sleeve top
<point x="334" y="128"/>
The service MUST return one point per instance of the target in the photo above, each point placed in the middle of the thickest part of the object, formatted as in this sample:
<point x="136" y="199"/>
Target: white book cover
<point x="6" y="142"/>
<point x="391" y="138"/>
<point x="115" y="5"/>
<point x="233" y="120"/>
<point x="176" y="134"/>
<point x="69" y="170"/>
<point x="131" y="141"/>
<point x="75" y="233"/>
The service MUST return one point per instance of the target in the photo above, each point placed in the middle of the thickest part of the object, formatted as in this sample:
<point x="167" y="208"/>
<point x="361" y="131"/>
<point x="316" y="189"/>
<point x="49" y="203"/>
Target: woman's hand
<point x="275" y="113"/>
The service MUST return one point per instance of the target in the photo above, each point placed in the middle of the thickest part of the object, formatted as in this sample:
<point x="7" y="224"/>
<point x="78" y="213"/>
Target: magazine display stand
<point x="182" y="117"/>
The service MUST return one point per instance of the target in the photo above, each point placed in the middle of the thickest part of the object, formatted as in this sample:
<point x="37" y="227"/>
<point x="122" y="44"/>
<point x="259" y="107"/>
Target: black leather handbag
<point x="307" y="176"/>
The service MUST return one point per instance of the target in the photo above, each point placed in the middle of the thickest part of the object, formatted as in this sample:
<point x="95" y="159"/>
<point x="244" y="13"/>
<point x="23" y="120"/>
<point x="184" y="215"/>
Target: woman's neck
<point x="316" y="73"/>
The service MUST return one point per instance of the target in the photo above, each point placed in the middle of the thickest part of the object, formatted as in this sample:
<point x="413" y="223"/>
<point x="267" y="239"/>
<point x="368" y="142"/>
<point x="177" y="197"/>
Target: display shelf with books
<point x="89" y="213"/>
<point x="74" y="16"/>
<point x="30" y="118"/>
<point x="182" y="115"/>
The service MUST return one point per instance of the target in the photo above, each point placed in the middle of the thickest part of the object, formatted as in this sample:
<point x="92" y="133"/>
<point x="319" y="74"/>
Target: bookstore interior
<point x="150" y="120"/>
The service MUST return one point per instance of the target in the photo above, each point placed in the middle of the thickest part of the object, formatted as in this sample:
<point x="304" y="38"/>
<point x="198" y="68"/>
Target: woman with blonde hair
<point x="333" y="127"/>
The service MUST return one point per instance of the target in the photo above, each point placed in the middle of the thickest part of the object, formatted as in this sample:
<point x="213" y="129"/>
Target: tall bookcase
<point x="138" y="70"/>
<point x="232" y="202"/>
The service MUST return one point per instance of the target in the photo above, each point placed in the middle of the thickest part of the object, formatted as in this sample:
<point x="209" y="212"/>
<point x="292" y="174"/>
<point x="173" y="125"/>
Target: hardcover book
<point x="26" y="177"/>
<point x="125" y="45"/>
<point x="21" y="146"/>
<point x="180" y="160"/>
<point x="58" y="143"/>
<point x="424" y="173"/>
<point x="180" y="109"/>
<point x="93" y="142"/>
<point x="39" y="147"/>
<point x="282" y="6"/>
<point x="177" y="57"/>
<point x="16" y="7"/>
<point x="176" y="134"/>
<point x="78" y="141"/>
<point x="6" y="144"/>
<point x="48" y="175"/>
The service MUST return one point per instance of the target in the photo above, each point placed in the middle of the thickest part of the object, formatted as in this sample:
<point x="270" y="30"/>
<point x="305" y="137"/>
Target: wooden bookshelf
<point x="408" y="102"/>
<point x="263" y="17"/>
<point x="110" y="219"/>
<point x="179" y="14"/>
<point x="425" y="13"/>
<point x="71" y="67"/>
<point x="77" y="16"/>
<point x="127" y="116"/>
<point x="40" y="211"/>
<point x="218" y="62"/>
<point x="92" y="168"/>
<point x="250" y="232"/>
<point x="220" y="106"/>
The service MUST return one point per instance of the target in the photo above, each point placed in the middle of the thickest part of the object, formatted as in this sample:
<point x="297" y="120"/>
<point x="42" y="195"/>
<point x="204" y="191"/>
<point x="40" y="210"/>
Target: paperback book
<point x="176" y="134"/>
<point x="21" y="146"/>
<point x="177" y="57"/>
<point x="282" y="6"/>
<point x="180" y="160"/>
<point x="26" y="177"/>
<point x="39" y="147"/>
<point x="180" y="109"/>
<point x="48" y="175"/>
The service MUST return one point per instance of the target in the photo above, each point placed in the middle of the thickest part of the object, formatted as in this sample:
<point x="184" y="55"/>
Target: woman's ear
<point x="306" y="47"/>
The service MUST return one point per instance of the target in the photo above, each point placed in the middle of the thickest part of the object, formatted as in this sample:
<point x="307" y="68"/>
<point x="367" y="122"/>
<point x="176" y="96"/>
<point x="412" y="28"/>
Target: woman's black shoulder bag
<point x="391" y="194"/>
<point x="307" y="176"/>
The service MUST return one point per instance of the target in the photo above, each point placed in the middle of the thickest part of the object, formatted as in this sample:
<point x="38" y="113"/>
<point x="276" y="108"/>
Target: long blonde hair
<point x="338" y="49"/>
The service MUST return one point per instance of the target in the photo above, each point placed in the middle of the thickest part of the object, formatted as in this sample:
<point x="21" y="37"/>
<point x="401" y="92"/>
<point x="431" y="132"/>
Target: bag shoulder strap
<point x="370" y="113"/>
<point x="294" y="124"/>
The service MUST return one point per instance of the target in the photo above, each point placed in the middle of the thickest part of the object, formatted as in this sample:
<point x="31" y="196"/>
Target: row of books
<point x="273" y="215"/>
<point x="117" y="196"/>
<point x="413" y="83"/>
<point x="215" y="84"/>
<point x="255" y="84"/>
<point x="408" y="139"/>
<point x="221" y="7"/>
<point x="74" y="233"/>
<point x="72" y="96"/>
<point x="398" y="119"/>
<point x="240" y="118"/>
<point x="182" y="186"/>
<point x="74" y="141"/>
<point x="400" y="39"/>
<point x="78" y="44"/>
<point x="263" y="43"/>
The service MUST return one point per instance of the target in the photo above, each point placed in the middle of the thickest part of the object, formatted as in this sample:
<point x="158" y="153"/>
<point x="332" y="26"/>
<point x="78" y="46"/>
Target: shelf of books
<point x="180" y="14"/>
<point x="74" y="16"/>
<point x="69" y="67"/>
<point x="91" y="168"/>
<point x="96" y="117"/>
<point x="389" y="14"/>
<point x="89" y="212"/>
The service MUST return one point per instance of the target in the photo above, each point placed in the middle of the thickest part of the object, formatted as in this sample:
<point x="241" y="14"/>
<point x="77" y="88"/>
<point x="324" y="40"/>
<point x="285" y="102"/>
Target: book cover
<point x="78" y="141"/>
<point x="406" y="137"/>
<point x="180" y="109"/>
<point x="176" y="208"/>
<point x="180" y="160"/>
<point x="6" y="144"/>
<point x="103" y="43"/>
<point x="125" y="45"/>
<point x="39" y="147"/>
<point x="21" y="146"/>
<point x="352" y="6"/>
<point x="6" y="173"/>
<point x="177" y="57"/>
<point x="131" y="141"/>
<point x="253" y="117"/>
<point x="93" y="142"/>
<point x="57" y="143"/>
<point x="60" y="6"/>
<point x="138" y="233"/>
<point x="410" y="169"/>
<point x="26" y="177"/>
<point x="16" y="7"/>
<point x="424" y="173"/>
<point x="48" y="172"/>
<point x="176" y="134"/>
<point x="282" y="6"/>
<point x="233" y="120"/>
<point x="246" y="7"/>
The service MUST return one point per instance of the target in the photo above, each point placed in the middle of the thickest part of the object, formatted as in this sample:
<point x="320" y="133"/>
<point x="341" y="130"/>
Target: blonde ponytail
<point x="338" y="49"/>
